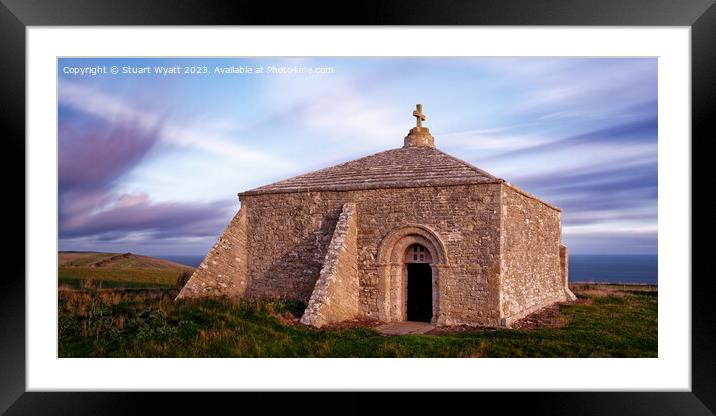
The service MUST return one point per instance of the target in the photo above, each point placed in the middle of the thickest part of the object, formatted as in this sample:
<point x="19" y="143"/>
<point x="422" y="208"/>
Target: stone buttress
<point x="223" y="272"/>
<point x="335" y="296"/>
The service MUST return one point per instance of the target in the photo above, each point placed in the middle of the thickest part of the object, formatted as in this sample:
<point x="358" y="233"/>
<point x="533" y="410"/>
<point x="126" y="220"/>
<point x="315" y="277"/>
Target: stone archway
<point x="392" y="270"/>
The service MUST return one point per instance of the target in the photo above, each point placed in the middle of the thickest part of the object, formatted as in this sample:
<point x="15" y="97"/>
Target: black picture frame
<point x="16" y="15"/>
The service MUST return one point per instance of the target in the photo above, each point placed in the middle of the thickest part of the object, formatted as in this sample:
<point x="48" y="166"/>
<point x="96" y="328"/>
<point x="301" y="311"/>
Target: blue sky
<point x="152" y="163"/>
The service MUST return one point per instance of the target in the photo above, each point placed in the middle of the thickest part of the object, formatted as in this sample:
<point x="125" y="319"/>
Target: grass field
<point x="77" y="277"/>
<point x="608" y="321"/>
<point x="113" y="270"/>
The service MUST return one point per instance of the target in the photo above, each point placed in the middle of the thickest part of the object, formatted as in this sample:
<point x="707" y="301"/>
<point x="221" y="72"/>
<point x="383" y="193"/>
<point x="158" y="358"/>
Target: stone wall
<point x="500" y="249"/>
<point x="335" y="296"/>
<point x="288" y="238"/>
<point x="531" y="261"/>
<point x="223" y="272"/>
<point x="289" y="235"/>
<point x="465" y="219"/>
<point x="564" y="264"/>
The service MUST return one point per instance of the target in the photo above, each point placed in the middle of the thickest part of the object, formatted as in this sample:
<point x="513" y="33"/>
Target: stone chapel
<point x="407" y="234"/>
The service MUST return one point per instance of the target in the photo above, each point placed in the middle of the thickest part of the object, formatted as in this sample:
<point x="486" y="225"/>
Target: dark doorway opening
<point x="420" y="292"/>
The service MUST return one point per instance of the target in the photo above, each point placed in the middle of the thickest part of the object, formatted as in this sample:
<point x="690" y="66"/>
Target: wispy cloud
<point x="199" y="135"/>
<point x="153" y="220"/>
<point x="90" y="164"/>
<point x="577" y="88"/>
<point x="342" y="110"/>
<point x="493" y="139"/>
<point x="638" y="131"/>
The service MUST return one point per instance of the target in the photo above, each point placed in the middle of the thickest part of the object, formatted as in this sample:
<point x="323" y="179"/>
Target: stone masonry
<point x="531" y="260"/>
<point x="335" y="296"/>
<point x="224" y="269"/>
<point x="338" y="238"/>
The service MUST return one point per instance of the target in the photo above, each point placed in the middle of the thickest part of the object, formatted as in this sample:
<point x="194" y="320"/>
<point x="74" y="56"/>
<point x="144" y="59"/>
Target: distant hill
<point x="94" y="269"/>
<point x="116" y="260"/>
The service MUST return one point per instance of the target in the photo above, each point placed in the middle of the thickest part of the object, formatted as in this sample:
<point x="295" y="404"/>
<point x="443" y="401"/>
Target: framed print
<point x="374" y="244"/>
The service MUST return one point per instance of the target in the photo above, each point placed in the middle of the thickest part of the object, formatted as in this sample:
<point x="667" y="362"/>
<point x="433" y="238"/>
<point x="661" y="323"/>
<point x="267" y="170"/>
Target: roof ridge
<point x="419" y="166"/>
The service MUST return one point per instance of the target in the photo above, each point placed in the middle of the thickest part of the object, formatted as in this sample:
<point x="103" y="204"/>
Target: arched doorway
<point x="399" y="261"/>
<point x="419" y="279"/>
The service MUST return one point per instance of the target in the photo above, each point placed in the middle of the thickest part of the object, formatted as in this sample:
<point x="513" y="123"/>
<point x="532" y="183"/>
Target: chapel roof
<point x="417" y="164"/>
<point x="409" y="166"/>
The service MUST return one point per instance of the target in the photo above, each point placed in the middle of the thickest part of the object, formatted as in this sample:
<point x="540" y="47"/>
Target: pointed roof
<point x="406" y="167"/>
<point x="417" y="164"/>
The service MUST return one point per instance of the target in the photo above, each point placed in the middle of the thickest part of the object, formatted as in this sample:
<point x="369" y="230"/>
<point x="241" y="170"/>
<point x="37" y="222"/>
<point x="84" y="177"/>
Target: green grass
<point x="117" y="270"/>
<point x="148" y="323"/>
<point x="117" y="277"/>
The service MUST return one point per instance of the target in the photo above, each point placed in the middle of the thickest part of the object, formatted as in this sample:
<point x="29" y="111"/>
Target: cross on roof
<point x="418" y="114"/>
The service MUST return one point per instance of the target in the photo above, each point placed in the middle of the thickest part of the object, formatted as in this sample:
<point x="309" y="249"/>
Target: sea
<point x="614" y="268"/>
<point x="597" y="268"/>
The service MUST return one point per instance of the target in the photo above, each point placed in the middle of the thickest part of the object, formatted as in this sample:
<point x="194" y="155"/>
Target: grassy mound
<point x="114" y="270"/>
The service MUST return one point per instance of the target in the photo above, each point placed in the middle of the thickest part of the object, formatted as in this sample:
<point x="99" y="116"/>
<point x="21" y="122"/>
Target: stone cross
<point x="418" y="114"/>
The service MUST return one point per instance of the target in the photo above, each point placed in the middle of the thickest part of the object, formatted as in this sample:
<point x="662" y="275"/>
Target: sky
<point x="151" y="158"/>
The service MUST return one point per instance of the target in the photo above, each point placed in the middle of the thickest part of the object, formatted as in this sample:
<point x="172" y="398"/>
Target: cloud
<point x="639" y="131"/>
<point x="198" y="135"/>
<point x="104" y="106"/>
<point x="91" y="162"/>
<point x="576" y="88"/>
<point x="349" y="109"/>
<point x="641" y="213"/>
<point x="128" y="214"/>
<point x="493" y="139"/>
<point x="595" y="179"/>
<point x="93" y="159"/>
<point x="620" y="243"/>
<point x="610" y="228"/>
<point x="605" y="204"/>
